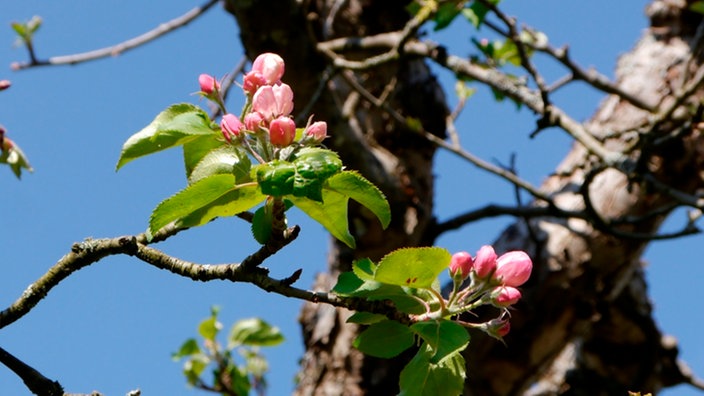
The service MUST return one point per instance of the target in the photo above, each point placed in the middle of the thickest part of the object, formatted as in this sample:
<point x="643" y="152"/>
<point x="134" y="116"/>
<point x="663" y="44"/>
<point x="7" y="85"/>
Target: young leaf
<point x="412" y="267"/>
<point x="254" y="332"/>
<point x="446" y="14"/>
<point x="241" y="198"/>
<point x="313" y="167"/>
<point x="353" y="185"/>
<point x="188" y="348"/>
<point x="223" y="160"/>
<point x="384" y="339"/>
<point x="209" y="328"/>
<point x="174" y="126"/>
<point x="261" y="224"/>
<point x="204" y="200"/>
<point x="16" y="159"/>
<point x="331" y="214"/>
<point x="444" y="337"/>
<point x="420" y="377"/>
<point x="276" y="177"/>
<point x="194" y="150"/>
<point x="364" y="269"/>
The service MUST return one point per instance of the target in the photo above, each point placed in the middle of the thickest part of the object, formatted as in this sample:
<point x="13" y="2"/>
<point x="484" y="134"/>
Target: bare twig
<point x="33" y="379"/>
<point x="114" y="50"/>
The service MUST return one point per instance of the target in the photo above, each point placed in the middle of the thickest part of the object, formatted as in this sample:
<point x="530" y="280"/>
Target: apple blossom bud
<point x="504" y="296"/>
<point x="231" y="126"/>
<point x="485" y="261"/>
<point x="252" y="81"/>
<point x="317" y="131"/>
<point x="460" y="265"/>
<point x="282" y="131"/>
<point x="253" y="121"/>
<point x="270" y="66"/>
<point x="273" y="101"/>
<point x="4" y="84"/>
<point x="513" y="268"/>
<point x="208" y="84"/>
<point x="498" y="327"/>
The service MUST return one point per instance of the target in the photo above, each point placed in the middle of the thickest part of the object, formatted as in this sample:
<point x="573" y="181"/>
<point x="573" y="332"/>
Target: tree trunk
<point x="584" y="325"/>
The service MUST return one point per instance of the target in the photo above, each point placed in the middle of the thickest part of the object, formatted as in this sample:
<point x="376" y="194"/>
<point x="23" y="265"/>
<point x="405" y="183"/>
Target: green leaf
<point x="348" y="284"/>
<point x="384" y="339"/>
<point x="366" y="318"/>
<point x="194" y="367"/>
<point x="412" y="267"/>
<point x="262" y="224"/>
<point x="420" y="377"/>
<point x="254" y="332"/>
<point x="223" y="160"/>
<point x="475" y="13"/>
<point x="364" y="269"/>
<point x="194" y="150"/>
<point x="446" y="14"/>
<point x="174" y="126"/>
<point x="353" y="185"/>
<point x="204" y="200"/>
<point x="209" y="328"/>
<point x="240" y="199"/>
<point x="303" y="177"/>
<point x="444" y="337"/>
<point x="331" y="214"/>
<point x="188" y="348"/>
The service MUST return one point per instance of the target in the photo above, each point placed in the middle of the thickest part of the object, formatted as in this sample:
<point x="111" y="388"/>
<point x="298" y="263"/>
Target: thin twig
<point x="115" y="50"/>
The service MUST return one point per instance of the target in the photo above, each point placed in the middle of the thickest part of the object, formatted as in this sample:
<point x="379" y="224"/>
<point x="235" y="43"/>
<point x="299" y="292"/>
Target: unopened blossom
<point x="504" y="296"/>
<point x="253" y="121"/>
<point x="208" y="84"/>
<point x="498" y="327"/>
<point x="485" y="261"/>
<point x="513" y="268"/>
<point x="231" y="126"/>
<point x="4" y="84"/>
<point x="273" y="101"/>
<point x="267" y="69"/>
<point x="282" y="131"/>
<point x="270" y="66"/>
<point x="317" y="131"/>
<point x="460" y="265"/>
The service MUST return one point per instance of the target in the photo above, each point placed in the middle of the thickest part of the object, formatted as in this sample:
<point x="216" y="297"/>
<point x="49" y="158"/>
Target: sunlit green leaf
<point x="413" y="267"/>
<point x="445" y="14"/>
<point x="188" y="348"/>
<point x="384" y="339"/>
<point x="194" y="150"/>
<point x="174" y="126"/>
<point x="254" y="332"/>
<point x="223" y="160"/>
<point x="209" y="328"/>
<point x="331" y="214"/>
<point x="444" y="337"/>
<point x="214" y="196"/>
<point x="420" y="377"/>
<point x="354" y="186"/>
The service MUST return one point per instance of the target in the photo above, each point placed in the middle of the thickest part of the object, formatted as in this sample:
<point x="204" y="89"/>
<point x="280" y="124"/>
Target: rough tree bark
<point x="584" y="325"/>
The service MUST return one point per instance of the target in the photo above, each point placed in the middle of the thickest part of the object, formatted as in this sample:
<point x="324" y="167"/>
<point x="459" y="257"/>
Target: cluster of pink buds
<point x="492" y="280"/>
<point x="268" y="109"/>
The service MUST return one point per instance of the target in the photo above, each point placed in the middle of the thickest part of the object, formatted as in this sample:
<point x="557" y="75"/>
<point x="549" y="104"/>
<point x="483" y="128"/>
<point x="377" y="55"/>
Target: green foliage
<point x="445" y="14"/>
<point x="408" y="278"/>
<point x="384" y="339"/>
<point x="177" y="125"/>
<point x="416" y="267"/>
<point x="197" y="204"/>
<point x="422" y="377"/>
<point x="26" y="30"/>
<point x="245" y="337"/>
<point x="697" y="6"/>
<point x="476" y="12"/>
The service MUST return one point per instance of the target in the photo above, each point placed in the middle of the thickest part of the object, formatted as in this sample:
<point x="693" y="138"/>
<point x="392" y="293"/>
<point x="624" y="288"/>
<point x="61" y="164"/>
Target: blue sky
<point x="112" y="326"/>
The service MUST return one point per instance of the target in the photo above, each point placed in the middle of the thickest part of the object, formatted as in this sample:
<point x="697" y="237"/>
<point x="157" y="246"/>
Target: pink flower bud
<point x="252" y="81"/>
<point x="317" y="131"/>
<point x="504" y="296"/>
<point x="460" y="265"/>
<point x="4" y="84"/>
<point x="253" y="121"/>
<point x="498" y="327"/>
<point x="485" y="261"/>
<point x="513" y="268"/>
<point x="273" y="101"/>
<point x="282" y="130"/>
<point x="270" y="66"/>
<point x="208" y="84"/>
<point x="231" y="126"/>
